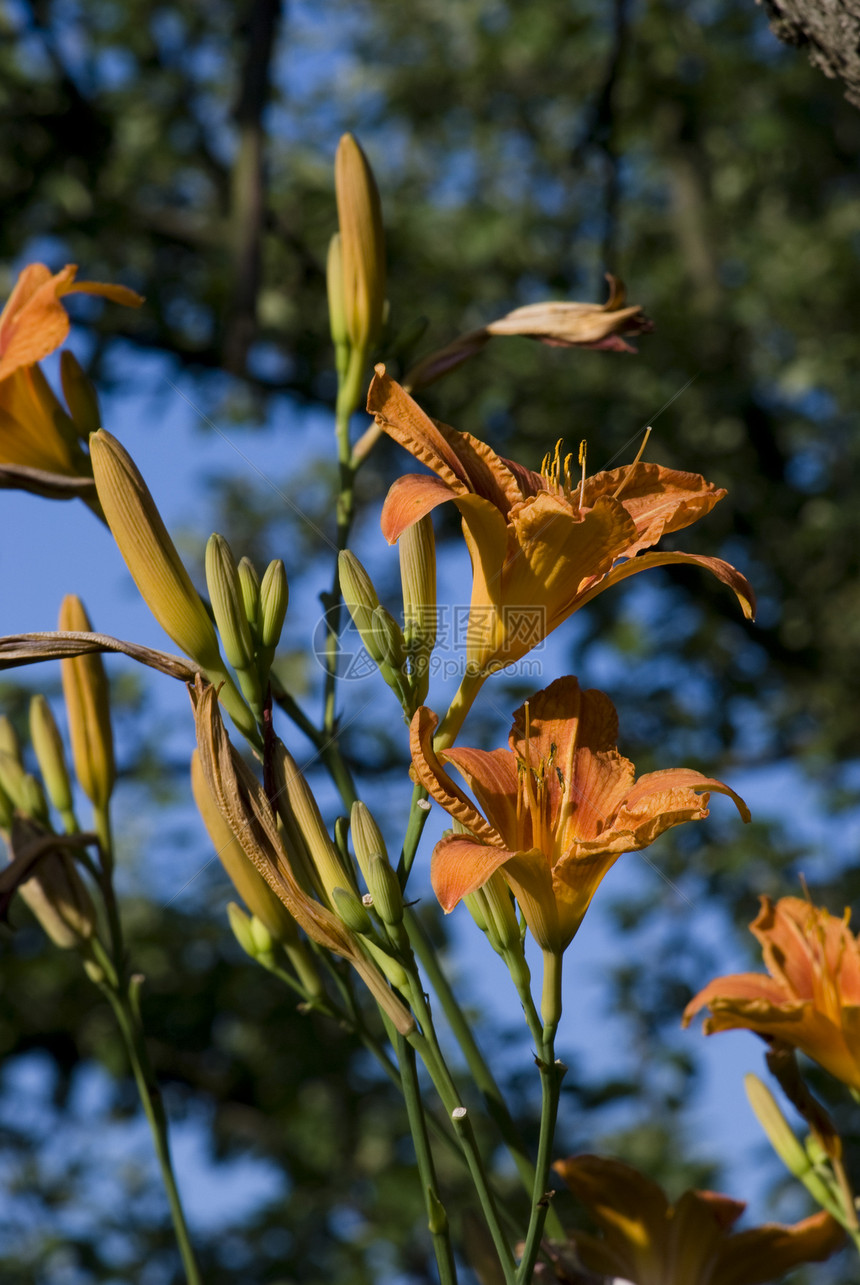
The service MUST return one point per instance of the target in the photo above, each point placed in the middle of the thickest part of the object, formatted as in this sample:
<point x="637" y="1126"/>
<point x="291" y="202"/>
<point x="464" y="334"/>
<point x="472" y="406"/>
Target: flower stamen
<point x="632" y="466"/>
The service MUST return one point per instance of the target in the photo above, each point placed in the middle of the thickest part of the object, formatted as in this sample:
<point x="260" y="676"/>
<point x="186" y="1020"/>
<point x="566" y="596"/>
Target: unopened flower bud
<point x="797" y="1159"/>
<point x="249" y="584"/>
<point x="362" y="244"/>
<point x="22" y="789"/>
<point x="87" y="695"/>
<point x="48" y="746"/>
<point x="392" y="968"/>
<point x="80" y="394"/>
<point x="274" y="599"/>
<point x="9" y="743"/>
<point x="56" y="894"/>
<point x="384" y="887"/>
<point x="352" y="911"/>
<point x="263" y="903"/>
<point x="417" y="547"/>
<point x="389" y="639"/>
<point x="367" y="838"/>
<point x="336" y="308"/>
<point x="157" y="569"/>
<point x="361" y="600"/>
<point x="240" y="923"/>
<point x="289" y="783"/>
<point x="228" y="607"/>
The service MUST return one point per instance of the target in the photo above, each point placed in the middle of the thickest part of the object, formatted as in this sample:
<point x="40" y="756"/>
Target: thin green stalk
<point x="121" y="992"/>
<point x="480" y="1071"/>
<point x="551" y="1075"/>
<point x="153" y="1106"/>
<point x="437" y="1219"/>
<point x="414" y="829"/>
<point x="426" y="1044"/>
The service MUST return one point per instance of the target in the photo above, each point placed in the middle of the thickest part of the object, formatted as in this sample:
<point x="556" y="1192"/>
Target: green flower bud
<point x="361" y="600"/>
<point x="352" y="912"/>
<point x="240" y="923"/>
<point x="48" y="746"/>
<point x="228" y="607"/>
<point x="384" y="887"/>
<point x="249" y="584"/>
<point x="9" y="743"/>
<point x="366" y="838"/>
<point x="389" y="638"/>
<point x="87" y="696"/>
<point x="274" y="598"/>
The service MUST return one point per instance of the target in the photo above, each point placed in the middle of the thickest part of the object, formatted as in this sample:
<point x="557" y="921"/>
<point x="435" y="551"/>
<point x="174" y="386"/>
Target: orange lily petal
<point x="34" y="321"/>
<point x="659" y="500"/>
<point x="766" y="1253"/>
<point x="459" y="865"/>
<point x="410" y="498"/>
<point x="724" y="571"/>
<point x="403" y="419"/>
<point x="438" y="783"/>
<point x="752" y="988"/>
<point x="492" y="777"/>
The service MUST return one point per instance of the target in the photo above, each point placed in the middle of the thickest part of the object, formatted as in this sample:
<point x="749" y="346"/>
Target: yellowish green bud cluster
<point x="228" y="608"/>
<point x="379" y="631"/>
<point x="22" y="790"/>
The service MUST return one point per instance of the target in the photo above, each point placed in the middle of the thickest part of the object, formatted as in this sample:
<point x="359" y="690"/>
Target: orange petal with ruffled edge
<point x="766" y="1253"/>
<point x="34" y="322"/>
<point x="723" y="571"/>
<point x="439" y="784"/>
<point x="403" y="419"/>
<point x="460" y="865"/>
<point x="491" y="775"/>
<point x="659" y="500"/>
<point x="410" y="499"/>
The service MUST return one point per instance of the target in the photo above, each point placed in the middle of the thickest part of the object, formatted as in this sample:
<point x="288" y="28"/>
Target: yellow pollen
<point x="582" y="450"/>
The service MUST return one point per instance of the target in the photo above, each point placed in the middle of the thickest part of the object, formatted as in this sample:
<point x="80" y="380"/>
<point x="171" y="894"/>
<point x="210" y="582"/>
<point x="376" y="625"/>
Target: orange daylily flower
<point x="648" y="1241"/>
<point x="541" y="545"/>
<point x="35" y="430"/>
<point x="559" y="807"/>
<point x="811" y="1000"/>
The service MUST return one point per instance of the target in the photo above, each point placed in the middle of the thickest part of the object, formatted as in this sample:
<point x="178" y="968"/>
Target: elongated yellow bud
<point x="389" y="639"/>
<point x="149" y="552"/>
<point x="359" y="215"/>
<point x="417" y="547"/>
<point x="157" y="568"/>
<point x="48" y="746"/>
<point x="87" y="695"/>
<point x="228" y="606"/>
<point x="780" y="1134"/>
<point x="246" y="879"/>
<point x="336" y="299"/>
<point x="80" y="394"/>
<point x="367" y="837"/>
<point x="23" y="790"/>
<point x="330" y="871"/>
<point x="9" y="743"/>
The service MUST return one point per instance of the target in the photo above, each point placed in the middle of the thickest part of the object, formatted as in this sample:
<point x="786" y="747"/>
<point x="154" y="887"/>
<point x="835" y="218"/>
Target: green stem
<point x="437" y="1219"/>
<point x="121" y="991"/>
<point x="495" y="1103"/>
<point x="426" y="1044"/>
<point x="153" y="1106"/>
<point x="551" y="1075"/>
<point x="414" y="829"/>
